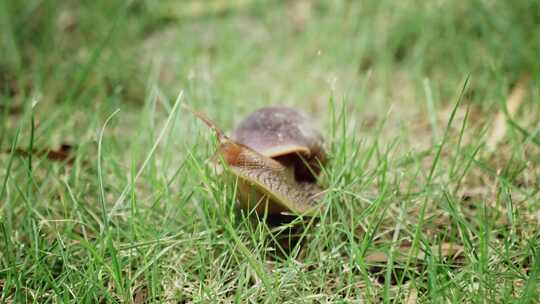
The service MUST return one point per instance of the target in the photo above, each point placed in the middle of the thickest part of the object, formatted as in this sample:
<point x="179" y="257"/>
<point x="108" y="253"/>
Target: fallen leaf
<point x="513" y="102"/>
<point x="13" y="110"/>
<point x="141" y="294"/>
<point x="377" y="257"/>
<point x="63" y="153"/>
<point x="445" y="250"/>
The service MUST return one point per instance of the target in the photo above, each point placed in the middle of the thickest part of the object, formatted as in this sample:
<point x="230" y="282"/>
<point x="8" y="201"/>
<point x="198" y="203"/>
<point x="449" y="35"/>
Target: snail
<point x="276" y="155"/>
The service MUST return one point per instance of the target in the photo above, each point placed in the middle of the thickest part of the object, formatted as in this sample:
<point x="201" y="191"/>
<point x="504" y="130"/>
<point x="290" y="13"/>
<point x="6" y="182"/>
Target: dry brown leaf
<point x="63" y="153"/>
<point x="377" y="257"/>
<point x="445" y="249"/>
<point x="141" y="294"/>
<point x="513" y="102"/>
<point x="13" y="110"/>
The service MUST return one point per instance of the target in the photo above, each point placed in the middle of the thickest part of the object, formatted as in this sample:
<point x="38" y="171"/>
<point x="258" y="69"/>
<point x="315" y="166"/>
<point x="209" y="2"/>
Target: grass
<point x="418" y="208"/>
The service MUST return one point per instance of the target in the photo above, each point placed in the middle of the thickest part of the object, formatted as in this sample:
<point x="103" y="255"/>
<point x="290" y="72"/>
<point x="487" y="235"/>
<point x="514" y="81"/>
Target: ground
<point x="431" y="116"/>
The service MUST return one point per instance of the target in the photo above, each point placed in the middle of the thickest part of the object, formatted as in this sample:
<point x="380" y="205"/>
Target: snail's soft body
<point x="268" y="185"/>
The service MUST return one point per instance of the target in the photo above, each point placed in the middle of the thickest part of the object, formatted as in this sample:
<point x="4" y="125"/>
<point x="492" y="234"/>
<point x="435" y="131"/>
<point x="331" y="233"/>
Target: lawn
<point x="430" y="111"/>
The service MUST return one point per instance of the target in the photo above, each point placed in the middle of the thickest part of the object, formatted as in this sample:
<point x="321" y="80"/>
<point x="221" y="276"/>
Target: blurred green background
<point x="75" y="56"/>
<point x="247" y="53"/>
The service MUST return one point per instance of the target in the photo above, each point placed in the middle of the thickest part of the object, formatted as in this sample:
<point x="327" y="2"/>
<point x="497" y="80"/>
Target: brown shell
<point x="286" y="135"/>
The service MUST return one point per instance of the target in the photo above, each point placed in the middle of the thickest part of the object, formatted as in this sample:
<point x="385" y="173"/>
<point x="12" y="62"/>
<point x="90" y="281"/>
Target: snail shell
<point x="287" y="136"/>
